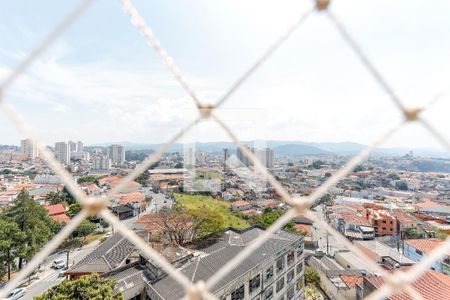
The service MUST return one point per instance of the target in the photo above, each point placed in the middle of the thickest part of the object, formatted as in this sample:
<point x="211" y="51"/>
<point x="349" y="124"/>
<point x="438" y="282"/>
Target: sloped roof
<point x="431" y="285"/>
<point x="106" y="257"/>
<point x="56" y="209"/>
<point x="424" y="245"/>
<point x="220" y="253"/>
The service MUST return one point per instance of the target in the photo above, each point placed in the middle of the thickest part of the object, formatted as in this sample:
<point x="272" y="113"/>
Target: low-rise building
<point x="416" y="249"/>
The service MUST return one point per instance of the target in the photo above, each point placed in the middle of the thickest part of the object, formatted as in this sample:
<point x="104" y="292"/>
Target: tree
<point x="74" y="209"/>
<point x="401" y="185"/>
<point x="270" y="216"/>
<point x="57" y="197"/>
<point x="311" y="293"/>
<point x="70" y="198"/>
<point x="88" y="179"/>
<point x="142" y="178"/>
<point x="312" y="277"/>
<point x="11" y="244"/>
<point x="91" y="287"/>
<point x="84" y="229"/>
<point x="183" y="225"/>
<point x="33" y="220"/>
<point x="358" y="168"/>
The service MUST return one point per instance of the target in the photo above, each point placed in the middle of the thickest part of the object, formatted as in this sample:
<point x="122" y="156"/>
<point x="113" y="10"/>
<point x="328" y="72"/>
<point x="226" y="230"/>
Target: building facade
<point x="102" y="163"/>
<point x="62" y="152"/>
<point x="117" y="154"/>
<point x="29" y="148"/>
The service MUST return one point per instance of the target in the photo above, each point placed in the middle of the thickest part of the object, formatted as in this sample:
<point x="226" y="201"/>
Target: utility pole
<point x="67" y="263"/>
<point x="327" y="245"/>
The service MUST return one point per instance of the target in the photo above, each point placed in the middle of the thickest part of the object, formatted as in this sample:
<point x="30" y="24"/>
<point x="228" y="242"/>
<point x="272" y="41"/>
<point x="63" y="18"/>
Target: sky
<point x="102" y="82"/>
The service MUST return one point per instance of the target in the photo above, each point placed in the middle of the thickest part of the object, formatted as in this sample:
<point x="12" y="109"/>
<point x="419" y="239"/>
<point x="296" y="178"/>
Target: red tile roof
<point x="304" y="227"/>
<point x="240" y="203"/>
<point x="130" y="197"/>
<point x="352" y="280"/>
<point x="431" y="285"/>
<point x="424" y="245"/>
<point x="354" y="219"/>
<point x="56" y="209"/>
<point x="63" y="218"/>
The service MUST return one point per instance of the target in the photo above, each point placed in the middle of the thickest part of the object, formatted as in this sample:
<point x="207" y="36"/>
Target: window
<point x="299" y="251"/>
<point x="290" y="293"/>
<point x="280" y="264"/>
<point x="384" y="221"/>
<point x="238" y="294"/>
<point x="268" y="294"/>
<point x="384" y="228"/>
<point x="255" y="283"/>
<point x="280" y="284"/>
<point x="290" y="276"/>
<point x="392" y="222"/>
<point x="418" y="251"/>
<point x="300" y="283"/>
<point x="269" y="274"/>
<point x="290" y="258"/>
<point x="299" y="267"/>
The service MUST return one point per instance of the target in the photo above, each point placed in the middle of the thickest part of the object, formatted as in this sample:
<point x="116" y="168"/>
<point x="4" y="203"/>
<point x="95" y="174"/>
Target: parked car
<point x="59" y="264"/>
<point x="16" y="294"/>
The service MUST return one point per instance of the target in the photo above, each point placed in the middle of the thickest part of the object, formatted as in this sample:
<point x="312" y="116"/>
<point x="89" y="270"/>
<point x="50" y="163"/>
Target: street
<point x="49" y="277"/>
<point x="321" y="235"/>
<point x="159" y="200"/>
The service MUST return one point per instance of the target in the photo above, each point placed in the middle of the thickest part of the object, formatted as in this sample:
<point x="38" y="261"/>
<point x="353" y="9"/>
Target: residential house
<point x="58" y="213"/>
<point x="431" y="286"/>
<point x="416" y="249"/>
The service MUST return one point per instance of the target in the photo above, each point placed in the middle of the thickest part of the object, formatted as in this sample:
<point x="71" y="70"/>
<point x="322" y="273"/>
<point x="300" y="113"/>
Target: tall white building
<point x="116" y="153"/>
<point x="72" y="146"/>
<point x="29" y="148"/>
<point x="102" y="163"/>
<point x="80" y="146"/>
<point x="62" y="152"/>
<point x="265" y="156"/>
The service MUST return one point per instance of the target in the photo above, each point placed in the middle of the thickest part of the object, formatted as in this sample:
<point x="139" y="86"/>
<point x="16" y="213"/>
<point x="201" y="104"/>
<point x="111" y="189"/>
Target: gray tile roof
<point x="106" y="257"/>
<point x="220" y="253"/>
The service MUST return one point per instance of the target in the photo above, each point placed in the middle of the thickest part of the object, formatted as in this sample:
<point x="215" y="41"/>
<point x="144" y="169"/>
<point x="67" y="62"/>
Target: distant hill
<point x="293" y="149"/>
<point x="286" y="148"/>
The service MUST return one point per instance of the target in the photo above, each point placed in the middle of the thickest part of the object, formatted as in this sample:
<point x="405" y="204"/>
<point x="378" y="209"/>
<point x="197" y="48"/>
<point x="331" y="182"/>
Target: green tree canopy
<point x="74" y="209"/>
<point x="312" y="277"/>
<point x="88" y="179"/>
<point x="33" y="220"/>
<point x="57" y="197"/>
<point x="91" y="287"/>
<point x="85" y="228"/>
<point x="11" y="245"/>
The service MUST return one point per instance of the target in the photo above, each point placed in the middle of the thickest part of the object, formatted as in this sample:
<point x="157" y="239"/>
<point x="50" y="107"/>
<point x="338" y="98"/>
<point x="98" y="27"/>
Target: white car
<point x="59" y="264"/>
<point x="16" y="294"/>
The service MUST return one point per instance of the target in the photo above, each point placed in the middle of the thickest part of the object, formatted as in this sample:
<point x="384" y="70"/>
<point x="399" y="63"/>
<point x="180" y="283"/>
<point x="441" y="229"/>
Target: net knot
<point x="412" y="114"/>
<point x="205" y="110"/>
<point x="196" y="291"/>
<point x="322" y="4"/>
<point x="300" y="205"/>
<point x="95" y="205"/>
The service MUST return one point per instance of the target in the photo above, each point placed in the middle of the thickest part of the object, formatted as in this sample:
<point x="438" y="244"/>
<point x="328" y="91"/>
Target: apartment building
<point x="101" y="163"/>
<point x="29" y="149"/>
<point x="117" y="154"/>
<point x="383" y="222"/>
<point x="62" y="152"/>
<point x="273" y="271"/>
